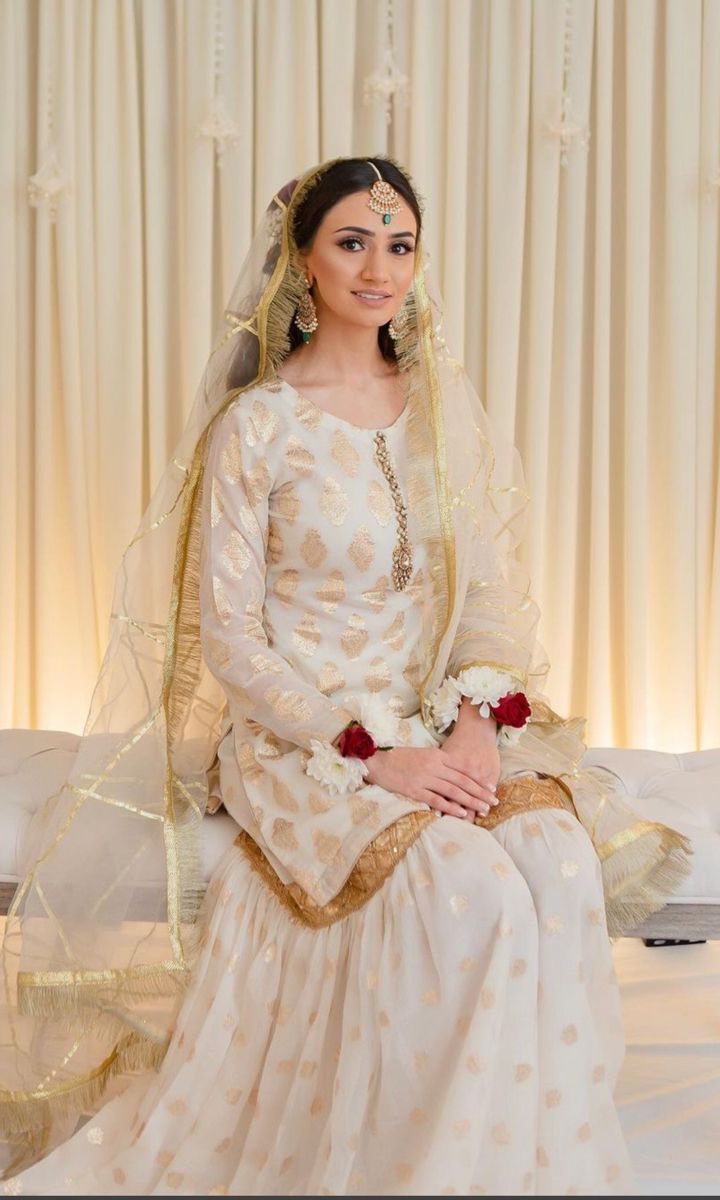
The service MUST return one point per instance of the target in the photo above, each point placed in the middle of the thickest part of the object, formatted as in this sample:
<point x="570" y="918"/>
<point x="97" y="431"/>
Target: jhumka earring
<point x="398" y="323"/>
<point x="306" y="317"/>
<point x="383" y="197"/>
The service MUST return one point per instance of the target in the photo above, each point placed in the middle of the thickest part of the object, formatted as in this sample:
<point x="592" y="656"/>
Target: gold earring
<point x="306" y="317"/>
<point x="398" y="323"/>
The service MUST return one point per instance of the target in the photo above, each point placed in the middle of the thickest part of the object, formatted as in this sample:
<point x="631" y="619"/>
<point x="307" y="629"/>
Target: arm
<point x="256" y="679"/>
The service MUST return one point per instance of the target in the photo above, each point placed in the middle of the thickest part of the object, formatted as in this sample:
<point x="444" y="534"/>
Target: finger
<point x="452" y="792"/>
<point x="484" y="791"/>
<point x="448" y="806"/>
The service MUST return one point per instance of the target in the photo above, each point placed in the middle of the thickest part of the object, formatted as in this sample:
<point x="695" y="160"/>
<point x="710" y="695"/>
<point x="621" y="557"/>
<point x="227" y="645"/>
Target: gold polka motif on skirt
<point x="418" y="1116"/>
<point x="569" y="1035"/>
<point x="598" y="1074"/>
<point x="584" y="1132"/>
<point x="344" y="453"/>
<point x="334" y="502"/>
<point x="475" y="1065"/>
<point x="355" y="636"/>
<point x="404" y="1172"/>
<point x="329" y="679"/>
<point x="175" y="1178"/>
<point x="541" y="1157"/>
<point x="458" y="904"/>
<point x="331" y="591"/>
<point x="119" y="1175"/>
<point x="298" y="458"/>
<point x="523" y="1071"/>
<point x="306" y="635"/>
<point x="501" y="1134"/>
<point x="552" y="1098"/>
<point x="461" y="1128"/>
<point x="313" y="548"/>
<point x="361" y="550"/>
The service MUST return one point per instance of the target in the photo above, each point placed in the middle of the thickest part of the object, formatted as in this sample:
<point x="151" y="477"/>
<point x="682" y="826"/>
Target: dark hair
<point x="340" y="180"/>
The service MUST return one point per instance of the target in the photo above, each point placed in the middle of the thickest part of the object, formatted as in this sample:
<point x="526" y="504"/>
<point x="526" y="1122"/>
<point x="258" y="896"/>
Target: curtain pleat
<point x="583" y="298"/>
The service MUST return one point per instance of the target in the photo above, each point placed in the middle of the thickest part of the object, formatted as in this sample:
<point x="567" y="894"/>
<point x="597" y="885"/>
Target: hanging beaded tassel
<point x="402" y="554"/>
<point x="383" y="197"/>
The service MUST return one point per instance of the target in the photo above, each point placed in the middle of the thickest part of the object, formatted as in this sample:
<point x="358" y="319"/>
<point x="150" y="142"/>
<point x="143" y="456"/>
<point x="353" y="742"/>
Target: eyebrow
<point x="371" y="233"/>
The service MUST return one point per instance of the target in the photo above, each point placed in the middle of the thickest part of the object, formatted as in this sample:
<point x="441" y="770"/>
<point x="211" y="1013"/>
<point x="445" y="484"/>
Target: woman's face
<point x="354" y="251"/>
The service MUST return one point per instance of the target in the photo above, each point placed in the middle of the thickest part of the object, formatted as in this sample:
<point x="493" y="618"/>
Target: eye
<point x="407" y="248"/>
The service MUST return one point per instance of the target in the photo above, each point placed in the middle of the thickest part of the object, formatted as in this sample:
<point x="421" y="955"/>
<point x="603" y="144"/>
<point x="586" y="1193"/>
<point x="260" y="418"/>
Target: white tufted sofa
<point x="681" y="790"/>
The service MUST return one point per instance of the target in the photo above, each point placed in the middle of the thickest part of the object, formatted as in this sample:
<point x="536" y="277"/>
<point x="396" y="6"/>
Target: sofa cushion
<point x="679" y="790"/>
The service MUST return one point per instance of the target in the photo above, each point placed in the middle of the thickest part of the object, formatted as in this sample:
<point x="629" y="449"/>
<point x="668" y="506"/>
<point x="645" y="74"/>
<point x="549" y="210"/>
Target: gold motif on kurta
<point x="231" y="459"/>
<point x="306" y="635"/>
<point x="286" y="585"/>
<point x="263" y="425"/>
<point x="344" y="453"/>
<point x="287" y="502"/>
<point x="288" y="705"/>
<point x="235" y="555"/>
<point x="362" y="549"/>
<point x="379" y="503"/>
<point x="378" y="677"/>
<point x="298" y="457"/>
<point x="313" y="548"/>
<point x="355" y="636"/>
<point x="334" y="502"/>
<point x="329" y="679"/>
<point x="332" y="591"/>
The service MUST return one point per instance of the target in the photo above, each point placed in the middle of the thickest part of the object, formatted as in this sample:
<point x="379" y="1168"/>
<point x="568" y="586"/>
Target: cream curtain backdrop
<point x="586" y="299"/>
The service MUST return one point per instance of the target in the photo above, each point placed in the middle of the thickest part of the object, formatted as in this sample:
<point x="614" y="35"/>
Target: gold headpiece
<point x="383" y="197"/>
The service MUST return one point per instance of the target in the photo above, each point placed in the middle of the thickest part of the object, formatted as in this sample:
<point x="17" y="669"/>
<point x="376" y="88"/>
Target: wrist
<point x="484" y="699"/>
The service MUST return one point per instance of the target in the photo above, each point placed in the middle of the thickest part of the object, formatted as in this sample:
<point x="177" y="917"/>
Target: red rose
<point x="512" y="710"/>
<point x="356" y="742"/>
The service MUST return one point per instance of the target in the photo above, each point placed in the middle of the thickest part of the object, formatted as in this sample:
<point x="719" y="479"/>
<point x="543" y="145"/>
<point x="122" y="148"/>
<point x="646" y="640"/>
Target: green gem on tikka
<point x="386" y="218"/>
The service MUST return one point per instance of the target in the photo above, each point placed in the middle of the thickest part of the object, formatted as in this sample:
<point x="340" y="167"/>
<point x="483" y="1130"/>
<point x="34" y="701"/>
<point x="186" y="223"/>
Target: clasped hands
<point x="458" y="778"/>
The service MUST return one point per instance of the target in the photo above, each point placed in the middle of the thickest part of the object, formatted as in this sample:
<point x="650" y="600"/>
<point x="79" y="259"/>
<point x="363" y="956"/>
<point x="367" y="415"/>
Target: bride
<point x="399" y="980"/>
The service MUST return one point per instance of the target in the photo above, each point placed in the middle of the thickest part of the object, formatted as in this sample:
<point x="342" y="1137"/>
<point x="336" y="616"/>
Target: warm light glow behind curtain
<point x="587" y="297"/>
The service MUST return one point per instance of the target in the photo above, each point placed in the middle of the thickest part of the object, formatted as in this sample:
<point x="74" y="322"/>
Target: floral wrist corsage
<point x="341" y="767"/>
<point x="495" y="692"/>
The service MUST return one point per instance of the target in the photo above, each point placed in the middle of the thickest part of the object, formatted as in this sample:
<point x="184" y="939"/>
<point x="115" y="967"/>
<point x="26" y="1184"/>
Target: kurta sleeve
<point x="259" y="682"/>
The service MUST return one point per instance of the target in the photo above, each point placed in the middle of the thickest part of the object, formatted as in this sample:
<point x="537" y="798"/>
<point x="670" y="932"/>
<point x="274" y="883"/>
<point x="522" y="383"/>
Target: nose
<point x="375" y="271"/>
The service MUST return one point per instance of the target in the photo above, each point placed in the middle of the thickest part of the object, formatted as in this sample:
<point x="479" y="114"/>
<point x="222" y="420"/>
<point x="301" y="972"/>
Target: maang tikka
<point x="384" y="199"/>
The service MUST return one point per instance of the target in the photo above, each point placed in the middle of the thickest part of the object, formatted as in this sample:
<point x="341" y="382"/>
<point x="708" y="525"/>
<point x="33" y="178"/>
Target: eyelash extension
<point x="407" y="245"/>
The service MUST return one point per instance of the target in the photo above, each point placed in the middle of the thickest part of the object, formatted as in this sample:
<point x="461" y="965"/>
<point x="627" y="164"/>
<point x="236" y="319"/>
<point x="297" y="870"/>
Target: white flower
<point x="375" y="715"/>
<point x="509" y="735"/>
<point x="485" y="686"/>
<point x="444" y="704"/>
<point x="337" y="774"/>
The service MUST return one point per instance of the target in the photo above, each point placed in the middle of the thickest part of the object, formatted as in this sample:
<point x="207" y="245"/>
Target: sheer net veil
<point x="103" y="933"/>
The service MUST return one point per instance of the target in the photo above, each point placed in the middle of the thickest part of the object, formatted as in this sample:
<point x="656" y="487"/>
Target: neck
<point x="342" y="353"/>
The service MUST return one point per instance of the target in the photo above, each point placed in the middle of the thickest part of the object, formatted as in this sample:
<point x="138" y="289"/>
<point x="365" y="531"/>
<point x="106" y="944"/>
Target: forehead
<point x="354" y="210"/>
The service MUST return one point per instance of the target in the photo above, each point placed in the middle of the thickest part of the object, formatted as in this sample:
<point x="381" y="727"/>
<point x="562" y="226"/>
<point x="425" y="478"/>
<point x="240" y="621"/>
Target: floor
<point x="669" y="1088"/>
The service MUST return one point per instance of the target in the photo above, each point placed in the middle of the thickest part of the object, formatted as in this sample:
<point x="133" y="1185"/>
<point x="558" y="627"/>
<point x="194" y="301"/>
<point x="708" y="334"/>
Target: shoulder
<point x="256" y="416"/>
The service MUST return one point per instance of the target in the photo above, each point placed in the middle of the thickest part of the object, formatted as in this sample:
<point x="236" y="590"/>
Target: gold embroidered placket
<point x="402" y="554"/>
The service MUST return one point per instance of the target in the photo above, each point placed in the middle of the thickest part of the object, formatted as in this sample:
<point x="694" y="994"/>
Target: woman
<point x="399" y="980"/>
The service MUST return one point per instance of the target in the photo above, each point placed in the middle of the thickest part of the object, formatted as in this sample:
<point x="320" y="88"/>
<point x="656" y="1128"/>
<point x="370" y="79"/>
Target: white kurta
<point x="457" y="1035"/>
